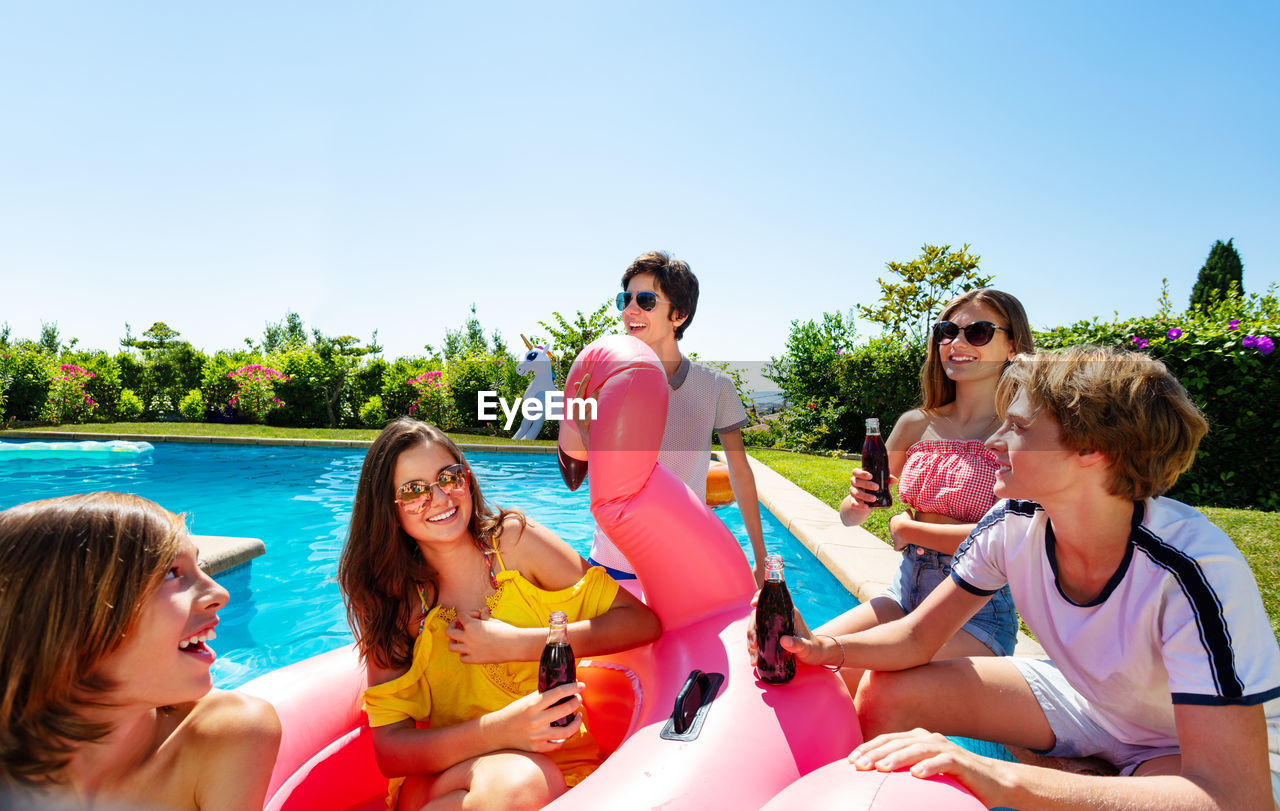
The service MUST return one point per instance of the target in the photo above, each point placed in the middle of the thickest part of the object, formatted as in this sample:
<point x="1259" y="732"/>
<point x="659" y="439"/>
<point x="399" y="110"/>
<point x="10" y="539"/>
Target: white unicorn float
<point x="539" y="361"/>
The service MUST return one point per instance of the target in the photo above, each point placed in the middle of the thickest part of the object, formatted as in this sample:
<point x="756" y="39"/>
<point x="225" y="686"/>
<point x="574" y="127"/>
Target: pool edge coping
<point x="295" y="442"/>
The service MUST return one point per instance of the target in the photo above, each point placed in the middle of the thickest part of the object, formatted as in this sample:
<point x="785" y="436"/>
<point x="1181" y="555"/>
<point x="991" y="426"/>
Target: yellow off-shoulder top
<point x="443" y="690"/>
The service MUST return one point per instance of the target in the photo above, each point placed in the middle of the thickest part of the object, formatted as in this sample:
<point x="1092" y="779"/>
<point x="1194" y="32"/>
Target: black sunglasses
<point x="452" y="479"/>
<point x="645" y="300"/>
<point x="979" y="333"/>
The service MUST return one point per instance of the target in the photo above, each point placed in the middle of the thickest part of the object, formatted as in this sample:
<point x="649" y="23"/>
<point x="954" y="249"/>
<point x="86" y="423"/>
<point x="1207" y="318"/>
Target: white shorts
<point x="1078" y="735"/>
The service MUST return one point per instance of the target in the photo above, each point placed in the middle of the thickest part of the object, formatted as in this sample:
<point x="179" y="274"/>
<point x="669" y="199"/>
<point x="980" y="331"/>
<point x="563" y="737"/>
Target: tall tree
<point x="1221" y="277"/>
<point x="460" y="342"/>
<point x="158" y="335"/>
<point x="284" y="335"/>
<point x="339" y="359"/>
<point x="50" y="340"/>
<point x="567" y="338"/>
<point x="938" y="275"/>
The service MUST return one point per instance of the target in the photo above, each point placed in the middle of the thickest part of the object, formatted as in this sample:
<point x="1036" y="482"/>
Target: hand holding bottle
<point x="527" y="723"/>
<point x="808" y="649"/>
<point x="862" y="493"/>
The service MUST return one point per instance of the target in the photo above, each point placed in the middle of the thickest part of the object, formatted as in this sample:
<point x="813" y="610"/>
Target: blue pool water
<point x="285" y="606"/>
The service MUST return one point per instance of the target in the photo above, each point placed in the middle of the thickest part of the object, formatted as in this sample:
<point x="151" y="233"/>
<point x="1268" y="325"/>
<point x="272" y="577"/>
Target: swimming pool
<point x="285" y="605"/>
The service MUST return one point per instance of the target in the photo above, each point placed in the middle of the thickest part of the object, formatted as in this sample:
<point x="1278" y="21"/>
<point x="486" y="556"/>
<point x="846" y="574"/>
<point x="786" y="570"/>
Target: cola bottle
<point x="875" y="460"/>
<point x="557" y="667"/>
<point x="774" y="620"/>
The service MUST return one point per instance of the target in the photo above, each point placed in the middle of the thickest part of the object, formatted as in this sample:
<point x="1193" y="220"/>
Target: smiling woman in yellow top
<point x="449" y="599"/>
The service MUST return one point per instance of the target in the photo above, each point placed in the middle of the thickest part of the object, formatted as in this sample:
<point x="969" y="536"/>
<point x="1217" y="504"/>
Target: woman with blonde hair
<point x="104" y="619"/>
<point x="945" y="473"/>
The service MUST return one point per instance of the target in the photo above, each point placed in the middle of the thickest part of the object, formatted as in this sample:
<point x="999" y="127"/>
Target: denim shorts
<point x="995" y="625"/>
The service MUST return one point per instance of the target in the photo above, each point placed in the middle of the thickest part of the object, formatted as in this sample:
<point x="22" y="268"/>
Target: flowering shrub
<point x="255" y="395"/>
<point x="433" y="402"/>
<point x="68" y="401"/>
<point x="1222" y="356"/>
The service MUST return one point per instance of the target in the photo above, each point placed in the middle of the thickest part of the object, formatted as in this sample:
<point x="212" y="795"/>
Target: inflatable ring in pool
<point x="115" y="450"/>
<point x="719" y="488"/>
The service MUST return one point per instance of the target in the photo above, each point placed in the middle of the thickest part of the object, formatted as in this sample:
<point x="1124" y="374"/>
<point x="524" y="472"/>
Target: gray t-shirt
<point x="701" y="400"/>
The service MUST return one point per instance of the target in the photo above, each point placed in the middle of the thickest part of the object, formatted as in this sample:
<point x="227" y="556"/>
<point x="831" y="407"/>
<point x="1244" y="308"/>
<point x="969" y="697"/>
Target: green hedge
<point x="28" y="370"/>
<point x="1237" y="387"/>
<point x="831" y="385"/>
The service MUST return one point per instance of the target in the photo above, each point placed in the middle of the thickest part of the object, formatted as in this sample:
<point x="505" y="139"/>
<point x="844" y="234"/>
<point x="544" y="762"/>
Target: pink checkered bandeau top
<point x="952" y="477"/>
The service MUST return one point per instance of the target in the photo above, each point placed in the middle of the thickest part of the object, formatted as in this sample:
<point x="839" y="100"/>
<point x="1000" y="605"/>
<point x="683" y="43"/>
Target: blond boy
<point x="1163" y="659"/>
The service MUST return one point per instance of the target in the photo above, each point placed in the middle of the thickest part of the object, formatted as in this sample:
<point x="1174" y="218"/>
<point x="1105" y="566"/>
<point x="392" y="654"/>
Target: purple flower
<point x="839" y="351"/>
<point x="1233" y="324"/>
<point x="1265" y="345"/>
<point x="1249" y="342"/>
<point x="1174" y="334"/>
<point x="1140" y="343"/>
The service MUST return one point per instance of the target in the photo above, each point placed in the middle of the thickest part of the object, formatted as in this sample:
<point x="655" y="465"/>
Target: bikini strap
<point x="489" y="555"/>
<point x="422" y="598"/>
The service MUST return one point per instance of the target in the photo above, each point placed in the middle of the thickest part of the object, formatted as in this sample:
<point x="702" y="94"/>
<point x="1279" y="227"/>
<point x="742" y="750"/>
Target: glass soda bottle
<point x="774" y="619"/>
<point x="557" y="667"/>
<point x="875" y="460"/>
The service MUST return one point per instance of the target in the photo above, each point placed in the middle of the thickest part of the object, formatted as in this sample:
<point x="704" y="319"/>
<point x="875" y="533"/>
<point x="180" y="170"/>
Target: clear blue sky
<point x="385" y="165"/>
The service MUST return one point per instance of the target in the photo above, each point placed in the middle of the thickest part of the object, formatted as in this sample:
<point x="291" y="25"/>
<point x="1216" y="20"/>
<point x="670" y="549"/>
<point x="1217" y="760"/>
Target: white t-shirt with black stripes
<point x="1180" y="622"/>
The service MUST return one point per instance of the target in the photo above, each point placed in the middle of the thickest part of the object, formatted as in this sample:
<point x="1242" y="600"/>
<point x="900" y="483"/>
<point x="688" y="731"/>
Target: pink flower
<point x="1174" y="334"/>
<point x="1140" y="343"/>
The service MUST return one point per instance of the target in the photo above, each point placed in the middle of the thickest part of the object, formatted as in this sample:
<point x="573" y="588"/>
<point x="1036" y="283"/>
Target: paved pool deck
<point x="863" y="563"/>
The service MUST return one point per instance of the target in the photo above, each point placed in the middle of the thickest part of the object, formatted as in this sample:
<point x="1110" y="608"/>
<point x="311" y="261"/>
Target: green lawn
<point x="1256" y="534"/>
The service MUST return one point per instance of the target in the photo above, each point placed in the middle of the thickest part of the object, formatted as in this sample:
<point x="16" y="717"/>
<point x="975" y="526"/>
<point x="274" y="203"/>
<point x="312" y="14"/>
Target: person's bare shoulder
<point x="908" y="429"/>
<point x="228" y="713"/>
<point x="541" y="555"/>
<point x="231" y="734"/>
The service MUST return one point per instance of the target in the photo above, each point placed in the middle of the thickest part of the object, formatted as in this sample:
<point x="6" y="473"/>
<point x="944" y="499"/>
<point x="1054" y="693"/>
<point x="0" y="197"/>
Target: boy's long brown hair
<point x="381" y="565"/>
<point x="75" y="573"/>
<point x="936" y="387"/>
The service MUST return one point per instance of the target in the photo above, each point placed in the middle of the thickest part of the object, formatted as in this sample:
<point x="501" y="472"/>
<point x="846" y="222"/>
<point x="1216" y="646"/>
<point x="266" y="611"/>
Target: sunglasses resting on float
<point x="645" y="300"/>
<point x="979" y="333"/>
<point x="452" y="479"/>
